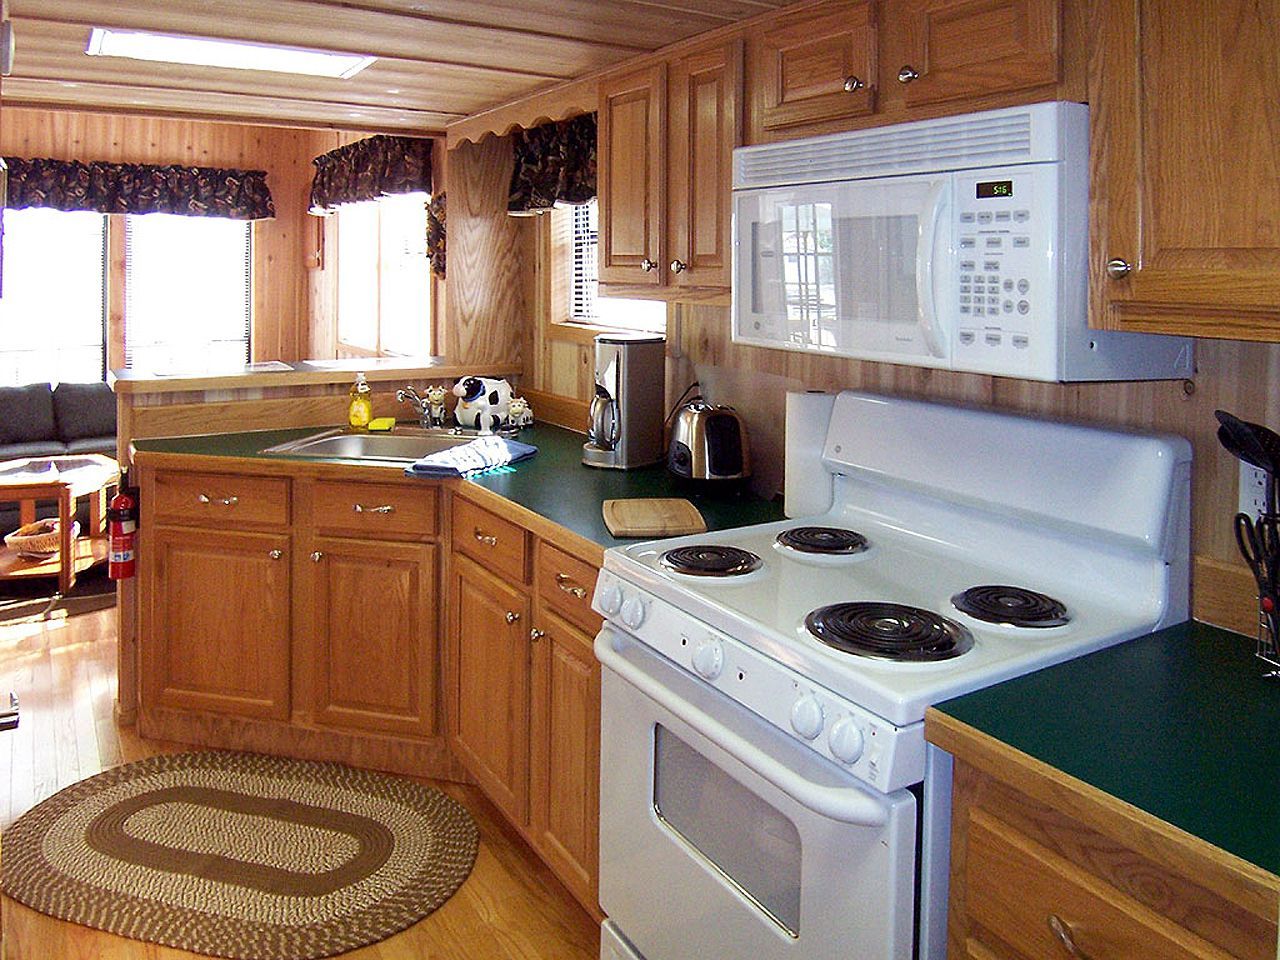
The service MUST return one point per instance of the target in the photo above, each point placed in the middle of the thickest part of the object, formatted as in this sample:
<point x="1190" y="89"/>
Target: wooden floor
<point x="510" y="908"/>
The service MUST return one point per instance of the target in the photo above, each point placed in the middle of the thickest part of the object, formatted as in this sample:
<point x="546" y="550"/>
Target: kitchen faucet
<point x="410" y="396"/>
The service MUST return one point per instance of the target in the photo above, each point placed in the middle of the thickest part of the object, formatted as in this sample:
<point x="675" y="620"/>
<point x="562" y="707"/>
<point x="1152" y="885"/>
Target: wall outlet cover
<point x="1253" y="489"/>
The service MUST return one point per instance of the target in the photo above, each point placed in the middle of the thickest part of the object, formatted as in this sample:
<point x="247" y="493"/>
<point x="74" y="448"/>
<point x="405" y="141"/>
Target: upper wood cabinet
<point x="1185" y="197"/>
<point x="961" y="49"/>
<point x="632" y="176"/>
<point x="813" y="68"/>
<point x="667" y="135"/>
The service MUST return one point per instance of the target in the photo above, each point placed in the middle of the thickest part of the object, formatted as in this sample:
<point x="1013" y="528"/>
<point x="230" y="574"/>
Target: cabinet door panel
<point x="803" y="71"/>
<point x="565" y="748"/>
<point x="489" y="627"/>
<point x="374" y="629"/>
<point x="632" y="174"/>
<point x="705" y="127"/>
<point x="968" y="48"/>
<point x="1184" y="184"/>
<point x="217" y="623"/>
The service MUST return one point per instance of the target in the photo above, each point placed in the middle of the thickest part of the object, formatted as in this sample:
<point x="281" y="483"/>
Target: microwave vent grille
<point x="995" y="138"/>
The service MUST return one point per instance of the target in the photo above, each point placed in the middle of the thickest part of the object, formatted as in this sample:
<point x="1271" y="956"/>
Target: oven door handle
<point x="845" y="804"/>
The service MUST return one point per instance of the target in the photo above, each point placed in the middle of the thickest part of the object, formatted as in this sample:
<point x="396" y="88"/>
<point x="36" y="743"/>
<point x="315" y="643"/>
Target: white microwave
<point x="959" y="243"/>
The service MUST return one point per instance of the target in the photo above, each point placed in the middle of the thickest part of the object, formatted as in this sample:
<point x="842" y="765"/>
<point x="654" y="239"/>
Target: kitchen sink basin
<point x="404" y="445"/>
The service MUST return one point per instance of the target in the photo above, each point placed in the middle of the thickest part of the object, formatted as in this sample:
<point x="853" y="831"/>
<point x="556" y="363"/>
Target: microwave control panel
<point x="1004" y="299"/>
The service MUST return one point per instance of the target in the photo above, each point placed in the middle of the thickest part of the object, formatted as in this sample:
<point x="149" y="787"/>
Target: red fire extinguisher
<point x="122" y="529"/>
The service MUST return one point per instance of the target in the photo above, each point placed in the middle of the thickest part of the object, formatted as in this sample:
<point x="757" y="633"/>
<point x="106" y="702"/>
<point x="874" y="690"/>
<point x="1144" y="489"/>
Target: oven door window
<point x="749" y="843"/>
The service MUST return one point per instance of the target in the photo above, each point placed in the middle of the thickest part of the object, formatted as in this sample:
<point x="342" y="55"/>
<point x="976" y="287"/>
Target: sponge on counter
<point x="382" y="424"/>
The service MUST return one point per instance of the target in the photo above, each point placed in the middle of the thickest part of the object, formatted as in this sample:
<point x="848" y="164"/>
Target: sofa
<point x="38" y="421"/>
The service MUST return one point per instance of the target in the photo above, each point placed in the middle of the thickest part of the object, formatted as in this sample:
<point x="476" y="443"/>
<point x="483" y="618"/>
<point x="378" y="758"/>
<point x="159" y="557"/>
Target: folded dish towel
<point x="482" y="453"/>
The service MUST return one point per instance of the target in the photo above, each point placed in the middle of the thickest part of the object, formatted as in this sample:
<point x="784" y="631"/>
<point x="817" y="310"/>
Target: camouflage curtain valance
<point x="436" y="234"/>
<point x="100" y="187"/>
<point x="555" y="163"/>
<point x="370" y="168"/>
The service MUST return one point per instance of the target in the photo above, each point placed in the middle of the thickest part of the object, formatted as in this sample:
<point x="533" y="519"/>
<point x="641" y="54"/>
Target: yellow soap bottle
<point x="360" y="410"/>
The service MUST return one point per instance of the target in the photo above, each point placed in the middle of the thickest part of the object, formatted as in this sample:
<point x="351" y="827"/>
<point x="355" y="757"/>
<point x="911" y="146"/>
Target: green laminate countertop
<point x="553" y="484"/>
<point x="1180" y="724"/>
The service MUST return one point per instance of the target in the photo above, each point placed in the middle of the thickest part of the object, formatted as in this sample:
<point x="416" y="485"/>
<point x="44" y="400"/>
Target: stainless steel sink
<point x="404" y="445"/>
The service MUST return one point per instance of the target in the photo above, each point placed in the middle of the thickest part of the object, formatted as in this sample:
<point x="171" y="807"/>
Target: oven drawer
<point x="498" y="545"/>
<point x="1041" y="904"/>
<point x="221" y="500"/>
<point x="377" y="510"/>
<point x="565" y="584"/>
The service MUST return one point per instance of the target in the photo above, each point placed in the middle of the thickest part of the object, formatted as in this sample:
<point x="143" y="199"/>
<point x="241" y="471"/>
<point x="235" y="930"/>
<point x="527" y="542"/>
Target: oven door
<point x="722" y="837"/>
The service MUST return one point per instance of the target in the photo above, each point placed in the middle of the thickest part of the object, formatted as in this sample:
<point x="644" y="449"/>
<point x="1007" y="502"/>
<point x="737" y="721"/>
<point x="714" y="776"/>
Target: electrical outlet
<point x="1253" y="489"/>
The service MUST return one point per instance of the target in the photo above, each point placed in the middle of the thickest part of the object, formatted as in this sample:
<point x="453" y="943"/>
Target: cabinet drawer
<point x="221" y="500"/>
<point x="376" y="510"/>
<point x="566" y="583"/>
<point x="497" y="544"/>
<point x="1038" y="903"/>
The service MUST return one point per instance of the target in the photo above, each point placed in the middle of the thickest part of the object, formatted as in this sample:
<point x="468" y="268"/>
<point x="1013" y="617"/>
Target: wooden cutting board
<point x="655" y="517"/>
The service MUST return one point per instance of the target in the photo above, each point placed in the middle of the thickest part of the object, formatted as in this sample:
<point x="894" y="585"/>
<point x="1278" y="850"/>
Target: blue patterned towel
<point x="482" y="453"/>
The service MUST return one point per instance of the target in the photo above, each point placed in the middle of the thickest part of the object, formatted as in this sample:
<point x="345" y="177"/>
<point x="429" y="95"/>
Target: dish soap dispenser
<point x="360" y="410"/>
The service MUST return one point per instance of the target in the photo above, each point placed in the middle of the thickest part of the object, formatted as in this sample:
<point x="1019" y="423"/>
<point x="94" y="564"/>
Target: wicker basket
<point x="38" y="540"/>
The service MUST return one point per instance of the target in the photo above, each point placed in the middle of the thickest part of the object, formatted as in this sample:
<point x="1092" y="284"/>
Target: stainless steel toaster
<point x="708" y="443"/>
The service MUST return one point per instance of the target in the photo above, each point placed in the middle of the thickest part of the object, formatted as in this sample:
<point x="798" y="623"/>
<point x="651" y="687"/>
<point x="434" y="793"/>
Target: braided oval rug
<point x="241" y="855"/>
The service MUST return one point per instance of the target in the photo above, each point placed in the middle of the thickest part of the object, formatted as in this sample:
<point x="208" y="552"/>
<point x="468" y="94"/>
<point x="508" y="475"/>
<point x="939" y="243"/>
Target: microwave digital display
<point x="995" y="188"/>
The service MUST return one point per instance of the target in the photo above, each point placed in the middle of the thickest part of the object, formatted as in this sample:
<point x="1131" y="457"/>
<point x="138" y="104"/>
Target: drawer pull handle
<point x="361" y="508"/>
<point x="512" y="616"/>
<point x="316" y="556"/>
<point x="276" y="554"/>
<point x="487" y="539"/>
<point x="535" y="634"/>
<point x="1062" y="930"/>
<point x="567" y="584"/>
<point x="225" y="501"/>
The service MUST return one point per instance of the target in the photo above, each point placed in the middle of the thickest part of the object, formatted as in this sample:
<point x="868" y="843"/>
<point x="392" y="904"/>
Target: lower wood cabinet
<point x="372" y="630"/>
<point x="218" y="622"/>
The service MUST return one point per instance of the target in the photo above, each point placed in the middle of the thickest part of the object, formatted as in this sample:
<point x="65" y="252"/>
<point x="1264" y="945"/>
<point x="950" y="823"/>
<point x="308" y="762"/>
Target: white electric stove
<point x="781" y="672"/>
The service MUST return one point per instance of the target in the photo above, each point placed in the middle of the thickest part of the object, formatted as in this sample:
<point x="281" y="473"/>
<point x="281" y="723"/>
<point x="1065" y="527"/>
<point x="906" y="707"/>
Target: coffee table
<point x="65" y="480"/>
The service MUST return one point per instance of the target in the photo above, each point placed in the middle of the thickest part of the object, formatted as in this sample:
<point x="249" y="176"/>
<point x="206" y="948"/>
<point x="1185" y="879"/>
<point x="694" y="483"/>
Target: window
<point x="576" y="239"/>
<point x="53" y="313"/>
<point x="384" y="279"/>
<point x="188" y="293"/>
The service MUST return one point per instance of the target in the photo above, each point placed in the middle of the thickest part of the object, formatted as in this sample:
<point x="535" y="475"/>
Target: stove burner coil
<point x="889" y="631"/>
<point x="711" y="560"/>
<point x="824" y="540"/>
<point x="1011" y="606"/>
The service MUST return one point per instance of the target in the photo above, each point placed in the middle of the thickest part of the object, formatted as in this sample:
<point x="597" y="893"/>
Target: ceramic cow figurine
<point x="521" y="413"/>
<point x="435" y="405"/>
<point x="484" y="403"/>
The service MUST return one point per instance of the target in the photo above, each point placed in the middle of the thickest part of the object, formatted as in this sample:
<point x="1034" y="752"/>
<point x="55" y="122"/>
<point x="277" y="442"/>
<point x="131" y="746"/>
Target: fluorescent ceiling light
<point x="229" y="54"/>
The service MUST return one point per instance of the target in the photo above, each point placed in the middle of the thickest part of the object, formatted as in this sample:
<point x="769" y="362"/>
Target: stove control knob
<point x="633" y="612"/>
<point x="610" y="599"/>
<point x="806" y="716"/>
<point x="845" y="740"/>
<point x="708" y="659"/>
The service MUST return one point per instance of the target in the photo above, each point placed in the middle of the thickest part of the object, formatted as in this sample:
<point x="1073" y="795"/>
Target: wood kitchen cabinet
<point x="524" y="686"/>
<point x="667" y="134"/>
<point x="1185" y="200"/>
<point x="1045" y="866"/>
<point x="218" y="621"/>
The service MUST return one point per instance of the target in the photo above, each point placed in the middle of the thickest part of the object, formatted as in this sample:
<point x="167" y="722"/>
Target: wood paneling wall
<point x="281" y="246"/>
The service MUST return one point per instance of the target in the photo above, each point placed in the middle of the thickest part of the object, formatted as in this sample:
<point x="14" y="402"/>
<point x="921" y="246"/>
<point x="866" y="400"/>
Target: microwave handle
<point x="846" y="804"/>
<point x="927" y="255"/>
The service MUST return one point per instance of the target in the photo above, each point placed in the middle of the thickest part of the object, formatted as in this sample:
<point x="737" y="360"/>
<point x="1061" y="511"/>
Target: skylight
<point x="229" y="54"/>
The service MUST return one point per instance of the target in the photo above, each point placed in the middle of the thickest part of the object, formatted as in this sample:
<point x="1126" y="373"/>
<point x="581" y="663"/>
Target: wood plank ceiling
<point x="438" y="60"/>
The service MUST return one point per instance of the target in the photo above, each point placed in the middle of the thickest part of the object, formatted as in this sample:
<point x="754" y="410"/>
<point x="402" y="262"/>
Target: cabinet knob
<point x="1062" y="930"/>
<point x="678" y="266"/>
<point x="853" y="84"/>
<point x="535" y="634"/>
<point x="512" y="616"/>
<point x="1118" y="269"/>
<point x="276" y="554"/>
<point x="907" y="74"/>
<point x="316" y="556"/>
<point x="648" y="266"/>
<point x="487" y="539"/>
